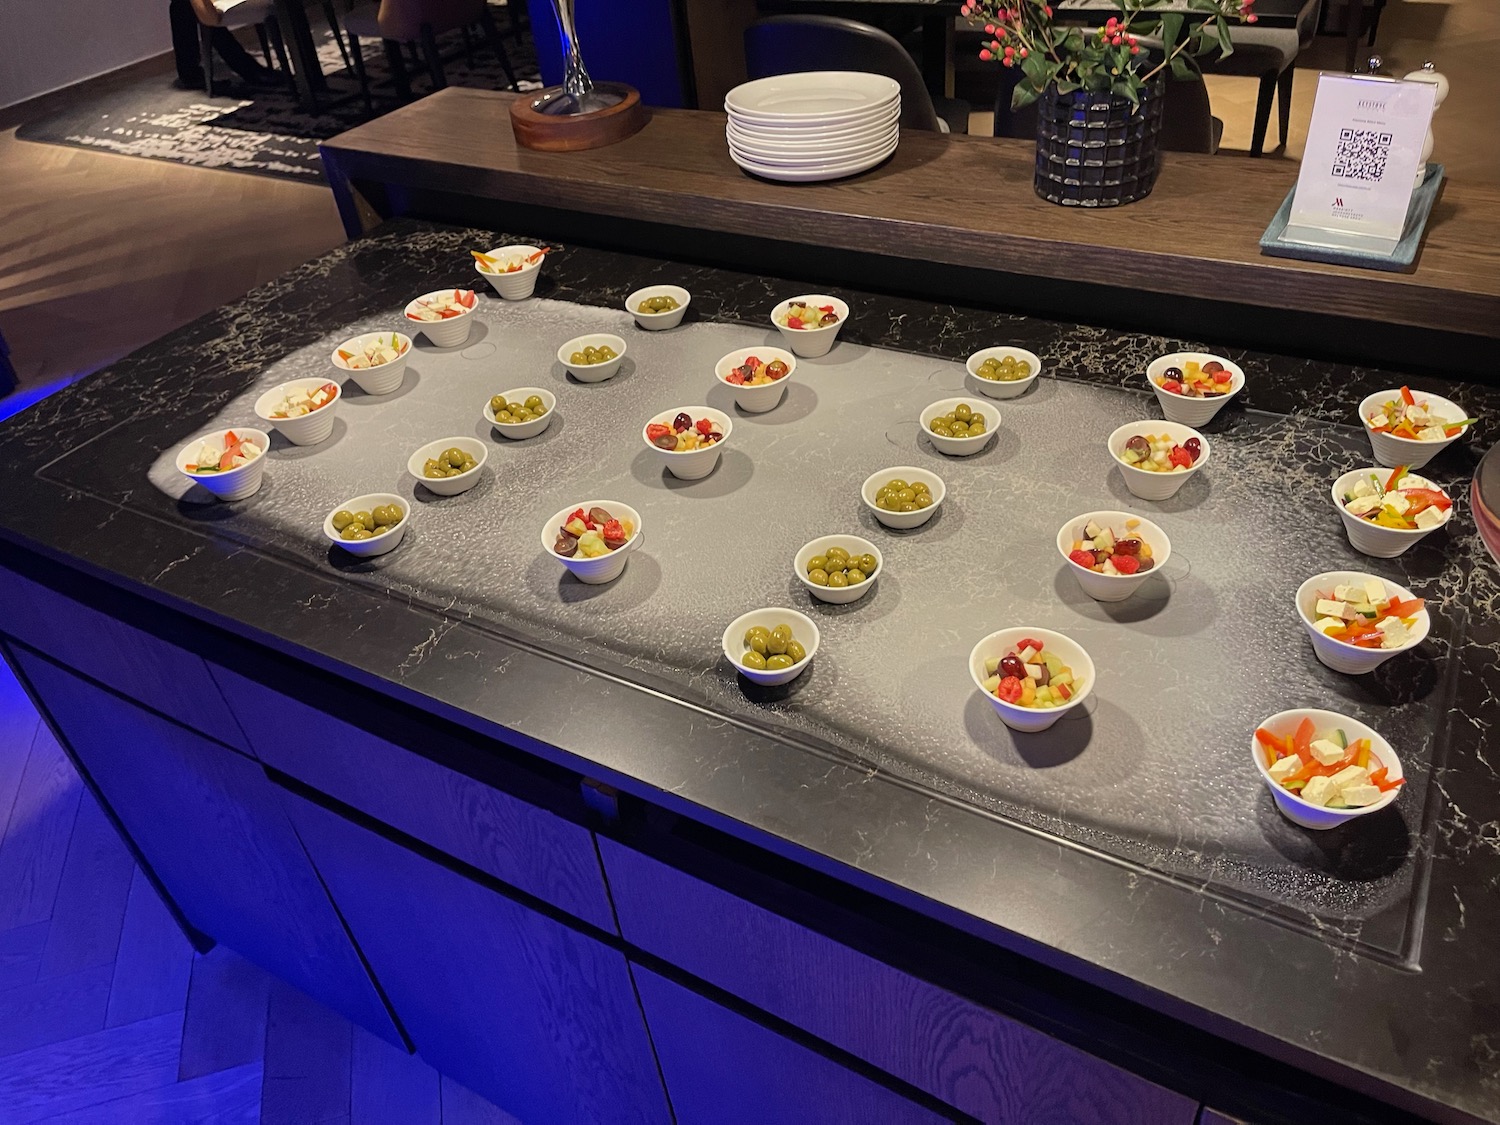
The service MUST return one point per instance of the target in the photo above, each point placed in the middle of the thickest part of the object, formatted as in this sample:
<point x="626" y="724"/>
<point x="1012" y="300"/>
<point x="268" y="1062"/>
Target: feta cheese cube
<point x="1375" y="592"/>
<point x="1329" y="607"/>
<point x="1326" y="751"/>
<point x="1432" y="433"/>
<point x="1393" y="634"/>
<point x="1363" y="487"/>
<point x="1358" y="796"/>
<point x="1323" y="624"/>
<point x="1283" y="768"/>
<point x="1349" y="775"/>
<point x="1319" y="791"/>
<point x="1363" y="505"/>
<point x="1345" y="593"/>
<point x="1429" y="518"/>
<point x="1397" y="502"/>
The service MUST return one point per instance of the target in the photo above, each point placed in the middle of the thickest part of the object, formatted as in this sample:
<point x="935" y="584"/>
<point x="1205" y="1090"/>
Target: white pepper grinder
<point x="1430" y="75"/>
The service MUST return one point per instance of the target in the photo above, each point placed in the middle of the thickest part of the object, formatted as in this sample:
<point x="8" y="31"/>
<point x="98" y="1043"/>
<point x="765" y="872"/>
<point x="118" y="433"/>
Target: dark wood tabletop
<point x="953" y="200"/>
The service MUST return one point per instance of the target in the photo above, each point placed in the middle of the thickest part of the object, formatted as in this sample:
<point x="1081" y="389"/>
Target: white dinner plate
<point x="793" y="126"/>
<point x="812" y="160"/>
<point x="811" y="95"/>
<point x="812" y="175"/>
<point x="775" y="150"/>
<point x="812" y="138"/>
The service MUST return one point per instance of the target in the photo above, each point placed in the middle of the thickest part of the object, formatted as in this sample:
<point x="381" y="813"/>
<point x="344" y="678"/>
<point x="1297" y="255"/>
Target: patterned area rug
<point x="264" y="130"/>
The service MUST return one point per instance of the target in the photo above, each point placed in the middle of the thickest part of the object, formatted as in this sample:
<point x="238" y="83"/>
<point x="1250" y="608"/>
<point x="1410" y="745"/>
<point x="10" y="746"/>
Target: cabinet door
<point x="530" y="1013"/>
<point x="210" y="824"/>
<point x="723" y="1069"/>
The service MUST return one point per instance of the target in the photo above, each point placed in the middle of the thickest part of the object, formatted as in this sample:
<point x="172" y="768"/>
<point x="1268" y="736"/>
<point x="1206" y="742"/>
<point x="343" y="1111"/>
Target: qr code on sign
<point x="1361" y="155"/>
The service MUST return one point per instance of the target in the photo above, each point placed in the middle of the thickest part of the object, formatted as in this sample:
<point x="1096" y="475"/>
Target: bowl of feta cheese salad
<point x="1411" y="428"/>
<point x="1386" y="512"/>
<point x="376" y="361"/>
<point x="229" y="463"/>
<point x="302" y="409"/>
<point x="1324" y="769"/>
<point x="1357" y="621"/>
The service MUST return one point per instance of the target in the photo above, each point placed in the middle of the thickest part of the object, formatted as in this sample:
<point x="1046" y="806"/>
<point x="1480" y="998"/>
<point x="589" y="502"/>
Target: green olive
<point x="497" y="404"/>
<point x="817" y="562"/>
<point x="365" y="518"/>
<point x="867" y="563"/>
<point x="963" y="412"/>
<point x="778" y="662"/>
<point x="923" y="500"/>
<point x="818" y="576"/>
<point x="577" y="359"/>
<point x="897" y="484"/>
<point x="907" y="506"/>
<point x="854" y="576"/>
<point x="534" y="404"/>
<point x="504" y="416"/>
<point x="960" y="429"/>
<point x="342" y="519"/>
<point x="838" y="580"/>
<point x="796" y="652"/>
<point x="753" y="659"/>
<point x="976" y="426"/>
<point x="757" y="638"/>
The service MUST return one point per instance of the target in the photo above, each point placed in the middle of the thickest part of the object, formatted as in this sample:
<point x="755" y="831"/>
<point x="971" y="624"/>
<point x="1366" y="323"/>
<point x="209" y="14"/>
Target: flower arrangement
<point x="1108" y="59"/>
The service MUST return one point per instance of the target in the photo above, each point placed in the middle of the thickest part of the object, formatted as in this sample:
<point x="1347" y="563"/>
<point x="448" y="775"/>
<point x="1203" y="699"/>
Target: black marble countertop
<point x="1419" y="1027"/>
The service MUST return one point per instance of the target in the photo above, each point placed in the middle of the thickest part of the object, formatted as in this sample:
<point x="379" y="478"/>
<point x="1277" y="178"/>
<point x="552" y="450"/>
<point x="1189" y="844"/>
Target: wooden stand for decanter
<point x="576" y="132"/>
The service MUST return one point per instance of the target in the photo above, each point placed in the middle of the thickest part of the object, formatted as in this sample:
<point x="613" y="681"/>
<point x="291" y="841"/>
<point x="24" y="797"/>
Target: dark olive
<point x="566" y="546"/>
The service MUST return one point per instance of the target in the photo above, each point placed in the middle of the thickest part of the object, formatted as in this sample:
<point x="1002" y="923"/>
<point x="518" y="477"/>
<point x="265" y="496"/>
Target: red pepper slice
<point x="1302" y="739"/>
<point x="1407" y="397"/>
<point x="1405" y="609"/>
<point x="1430" y="497"/>
<point x="1397" y="474"/>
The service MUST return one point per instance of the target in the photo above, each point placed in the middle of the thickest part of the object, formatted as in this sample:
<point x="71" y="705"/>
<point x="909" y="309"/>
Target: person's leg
<point x="241" y="61"/>
<point x="185" y="43"/>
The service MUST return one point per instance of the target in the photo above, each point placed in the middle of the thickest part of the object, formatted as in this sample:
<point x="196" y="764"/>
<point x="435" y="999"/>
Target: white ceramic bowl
<point x="376" y="545"/>
<point x="592" y="372"/>
<point x="232" y="484"/>
<point x="960" y="446"/>
<point x="837" y="595"/>
<point x="382" y="380"/>
<point x="810" y="342"/>
<point x="518" y="431"/>
<point x="1392" y="451"/>
<point x="605" y="568"/>
<point x="1337" y="654"/>
<point x="698" y="463"/>
<point x="756" y="400"/>
<point x="993" y="388"/>
<point x="903" y="521"/>
<point x="309" y="429"/>
<point x="450" y="333"/>
<point x="521" y="284"/>
<point x="1069" y="651"/>
<point x="1114" y="587"/>
<point x="658" y="321"/>
<point x="1293" y="807"/>
<point x="1192" y="411"/>
<point x="1144" y="483"/>
<point x="449" y="486"/>
<point x="804" y="629"/>
<point x="1371" y="538"/>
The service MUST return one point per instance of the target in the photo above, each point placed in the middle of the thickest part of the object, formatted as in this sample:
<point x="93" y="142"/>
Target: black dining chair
<point x="792" y="44"/>
<point x="1270" y="54"/>
<point x="418" y="23"/>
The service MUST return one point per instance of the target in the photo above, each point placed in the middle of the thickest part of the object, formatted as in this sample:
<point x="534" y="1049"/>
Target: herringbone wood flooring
<point x="108" y="1017"/>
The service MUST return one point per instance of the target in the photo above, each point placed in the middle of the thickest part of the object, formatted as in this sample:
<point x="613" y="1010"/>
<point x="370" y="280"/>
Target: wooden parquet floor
<point x="108" y="1017"/>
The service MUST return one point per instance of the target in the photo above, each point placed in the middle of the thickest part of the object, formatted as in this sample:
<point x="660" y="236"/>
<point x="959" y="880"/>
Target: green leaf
<point x="1126" y="89"/>
<point x="1226" y="46"/>
<point x="1181" y="70"/>
<point x="1203" y="6"/>
<point x="1171" y="28"/>
<point x="1066" y="87"/>
<point x="1023" y="95"/>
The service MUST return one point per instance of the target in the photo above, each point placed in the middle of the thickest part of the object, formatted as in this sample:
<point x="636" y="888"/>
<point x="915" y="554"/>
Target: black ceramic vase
<point x="1097" y="150"/>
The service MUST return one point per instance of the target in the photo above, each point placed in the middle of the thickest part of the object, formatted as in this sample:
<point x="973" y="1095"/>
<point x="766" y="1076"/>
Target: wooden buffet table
<point x="945" y="201"/>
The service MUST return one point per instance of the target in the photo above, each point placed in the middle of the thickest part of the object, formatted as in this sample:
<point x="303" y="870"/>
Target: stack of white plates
<point x="818" y="125"/>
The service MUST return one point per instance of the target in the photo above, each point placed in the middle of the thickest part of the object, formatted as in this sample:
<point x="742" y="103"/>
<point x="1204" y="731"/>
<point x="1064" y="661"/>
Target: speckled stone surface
<point x="1134" y="846"/>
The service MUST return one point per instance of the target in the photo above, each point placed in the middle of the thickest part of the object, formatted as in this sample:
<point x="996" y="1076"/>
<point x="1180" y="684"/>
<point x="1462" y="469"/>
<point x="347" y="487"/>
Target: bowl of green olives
<point x="368" y="525"/>
<point x="838" y="568"/>
<point x="521" y="413"/>
<point x="904" y="496"/>
<point x="771" y="646"/>
<point x="448" y="466"/>
<point x="960" y="427"/>
<point x="1002" y="372"/>
<point x="658" y="307"/>
<point x="592" y="358"/>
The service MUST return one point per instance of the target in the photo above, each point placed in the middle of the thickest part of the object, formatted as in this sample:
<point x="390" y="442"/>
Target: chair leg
<point x="398" y="68"/>
<point x="434" y="60"/>
<point x="1284" y="104"/>
<point x="265" y="45"/>
<point x="492" y="36"/>
<point x="333" y="25"/>
<point x="360" y="73"/>
<point x="206" y="53"/>
<point x="416" y="58"/>
<point x="468" y="45"/>
<point x="1262" y="112"/>
<point x="278" y="44"/>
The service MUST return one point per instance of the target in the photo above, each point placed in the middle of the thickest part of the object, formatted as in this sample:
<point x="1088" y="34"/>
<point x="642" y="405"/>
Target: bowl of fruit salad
<point x="594" y="539"/>
<point x="521" y="413"/>
<point x="1387" y="511"/>
<point x="301" y="409"/>
<point x="838" y="568"/>
<point x="376" y="361"/>
<point x="688" y="441"/>
<point x="592" y="358"/>
<point x="771" y="647"/>
<point x="448" y="466"/>
<point x="1324" y="769"/>
<point x="658" y="307"/>
<point x="443" y="316"/>
<point x="1112" y="553"/>
<point x="1003" y="372"/>
<point x="1031" y="676"/>
<point x="810" y="323"/>
<point x="1358" y="621"/>
<point x="903" y="496"/>
<point x="368" y="525"/>
<point x="1411" y="428"/>
<point x="229" y="463"/>
<point x="1194" y="386"/>
<point x="1156" y="458"/>
<point x="511" y="270"/>
<point x="959" y="426"/>
<point x="758" y="377"/>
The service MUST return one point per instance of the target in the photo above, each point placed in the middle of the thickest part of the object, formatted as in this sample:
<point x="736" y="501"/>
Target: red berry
<point x="1082" y="558"/>
<point x="1126" y="564"/>
<point x="704" y="426"/>
<point x="1172" y="385"/>
<point x="1009" y="689"/>
<point x="1180" y="456"/>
